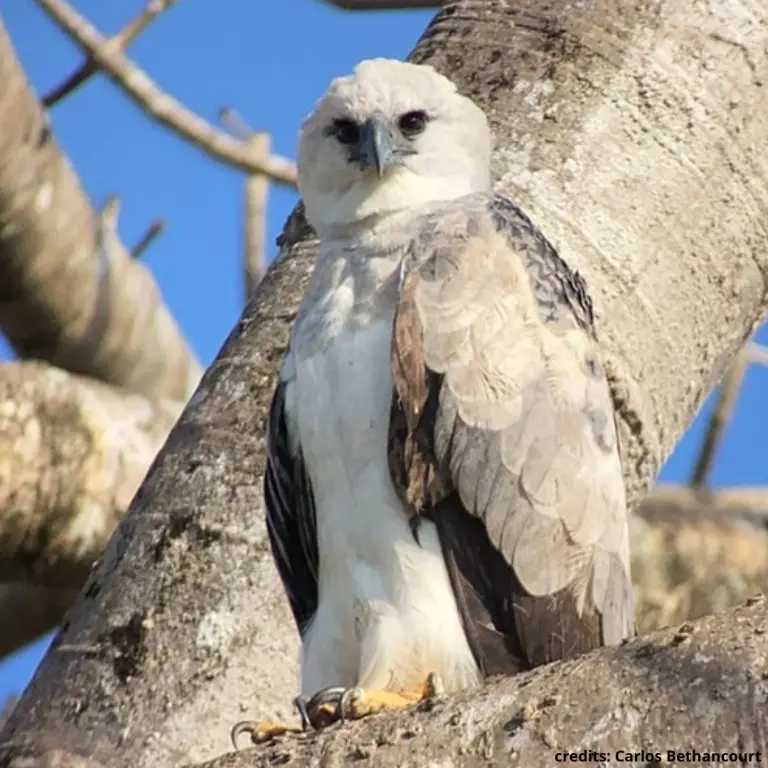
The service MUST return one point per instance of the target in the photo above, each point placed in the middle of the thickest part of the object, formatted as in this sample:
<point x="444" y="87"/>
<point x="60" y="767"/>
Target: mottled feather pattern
<point x="523" y="436"/>
<point x="411" y="457"/>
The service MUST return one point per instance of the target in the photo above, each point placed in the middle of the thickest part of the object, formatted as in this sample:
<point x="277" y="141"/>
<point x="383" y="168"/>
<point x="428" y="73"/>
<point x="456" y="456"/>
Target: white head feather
<point x="449" y="158"/>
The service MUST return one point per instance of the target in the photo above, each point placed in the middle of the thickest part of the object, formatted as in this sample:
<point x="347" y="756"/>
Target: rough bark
<point x="618" y="130"/>
<point x="73" y="452"/>
<point x="69" y="293"/>
<point x="697" y="687"/>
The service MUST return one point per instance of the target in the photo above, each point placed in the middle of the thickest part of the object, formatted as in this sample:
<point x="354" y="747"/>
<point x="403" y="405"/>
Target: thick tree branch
<point x="611" y="121"/>
<point x="161" y="107"/>
<point x="120" y="41"/>
<point x="73" y="451"/>
<point x="84" y="308"/>
<point x="649" y="695"/>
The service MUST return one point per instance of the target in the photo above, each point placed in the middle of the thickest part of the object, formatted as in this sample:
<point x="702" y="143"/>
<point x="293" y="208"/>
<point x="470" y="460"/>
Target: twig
<point x="254" y="214"/>
<point x="726" y="399"/>
<point x="255" y="199"/>
<point x="119" y="42"/>
<point x="159" y="106"/>
<point x="153" y="231"/>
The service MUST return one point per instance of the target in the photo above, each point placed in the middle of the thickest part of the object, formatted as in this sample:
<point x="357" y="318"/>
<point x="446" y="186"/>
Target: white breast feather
<point x="387" y="615"/>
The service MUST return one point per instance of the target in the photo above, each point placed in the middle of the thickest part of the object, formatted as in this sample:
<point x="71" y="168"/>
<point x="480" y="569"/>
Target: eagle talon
<point x="322" y="708"/>
<point x="301" y="704"/>
<point x="238" y="729"/>
<point x="346" y="702"/>
<point x="259" y="732"/>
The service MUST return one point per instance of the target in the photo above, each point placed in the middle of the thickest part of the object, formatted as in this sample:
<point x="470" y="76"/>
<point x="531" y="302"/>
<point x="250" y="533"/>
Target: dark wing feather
<point x="503" y="433"/>
<point x="291" y="522"/>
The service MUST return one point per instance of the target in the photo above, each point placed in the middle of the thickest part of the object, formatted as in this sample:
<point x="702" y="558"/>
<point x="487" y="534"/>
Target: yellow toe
<point x="359" y="702"/>
<point x="260" y="731"/>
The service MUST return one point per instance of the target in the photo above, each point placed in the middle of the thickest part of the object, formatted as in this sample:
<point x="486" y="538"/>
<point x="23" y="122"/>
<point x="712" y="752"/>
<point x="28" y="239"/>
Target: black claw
<point x="343" y="707"/>
<point x="238" y="729"/>
<point x="330" y="695"/>
<point x="302" y="705"/>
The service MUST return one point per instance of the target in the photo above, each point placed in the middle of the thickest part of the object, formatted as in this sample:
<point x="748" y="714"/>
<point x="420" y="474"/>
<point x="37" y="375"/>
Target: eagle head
<point x="389" y="137"/>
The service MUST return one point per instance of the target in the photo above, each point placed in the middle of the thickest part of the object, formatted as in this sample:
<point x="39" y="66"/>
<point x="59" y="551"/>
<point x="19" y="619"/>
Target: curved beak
<point x="376" y="145"/>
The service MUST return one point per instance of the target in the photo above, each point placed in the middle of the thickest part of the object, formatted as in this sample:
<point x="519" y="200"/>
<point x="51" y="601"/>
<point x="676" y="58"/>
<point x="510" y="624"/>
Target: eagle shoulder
<point x="502" y="417"/>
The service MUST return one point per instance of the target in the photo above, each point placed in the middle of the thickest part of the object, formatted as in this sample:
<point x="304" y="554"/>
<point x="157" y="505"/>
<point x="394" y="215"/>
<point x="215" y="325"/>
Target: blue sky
<point x="270" y="60"/>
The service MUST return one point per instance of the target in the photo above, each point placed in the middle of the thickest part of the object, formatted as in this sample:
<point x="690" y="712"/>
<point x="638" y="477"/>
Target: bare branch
<point x="73" y="451"/>
<point x="161" y="107"/>
<point x="63" y="297"/>
<point x="254" y="218"/>
<point x="154" y="230"/>
<point x="721" y="413"/>
<point x="119" y="42"/>
<point x="255" y="199"/>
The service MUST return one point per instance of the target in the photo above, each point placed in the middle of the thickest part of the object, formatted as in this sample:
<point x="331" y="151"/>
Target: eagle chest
<point x="340" y="399"/>
<point x="384" y="600"/>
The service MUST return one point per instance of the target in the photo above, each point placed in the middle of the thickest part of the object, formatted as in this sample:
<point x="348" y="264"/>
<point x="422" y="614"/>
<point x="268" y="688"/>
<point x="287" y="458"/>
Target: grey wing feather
<point x="291" y="520"/>
<point x="524" y="430"/>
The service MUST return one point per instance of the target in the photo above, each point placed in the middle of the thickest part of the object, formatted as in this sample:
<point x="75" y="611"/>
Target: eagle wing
<point x="291" y="519"/>
<point x="502" y="432"/>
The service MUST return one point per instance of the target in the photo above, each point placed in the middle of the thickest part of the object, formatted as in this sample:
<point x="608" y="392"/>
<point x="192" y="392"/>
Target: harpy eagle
<point x="444" y="488"/>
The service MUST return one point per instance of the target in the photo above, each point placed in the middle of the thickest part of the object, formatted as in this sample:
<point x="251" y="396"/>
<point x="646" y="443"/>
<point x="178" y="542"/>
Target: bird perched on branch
<point x="444" y="489"/>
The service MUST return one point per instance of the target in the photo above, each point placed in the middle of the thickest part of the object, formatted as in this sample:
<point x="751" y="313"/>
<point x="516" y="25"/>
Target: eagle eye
<point x="346" y="131"/>
<point x="413" y="123"/>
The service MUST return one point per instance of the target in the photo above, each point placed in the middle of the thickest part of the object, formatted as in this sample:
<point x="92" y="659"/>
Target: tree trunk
<point x="69" y="291"/>
<point x="631" y="132"/>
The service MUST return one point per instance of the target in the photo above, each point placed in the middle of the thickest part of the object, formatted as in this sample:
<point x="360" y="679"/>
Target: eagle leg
<point x="354" y="703"/>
